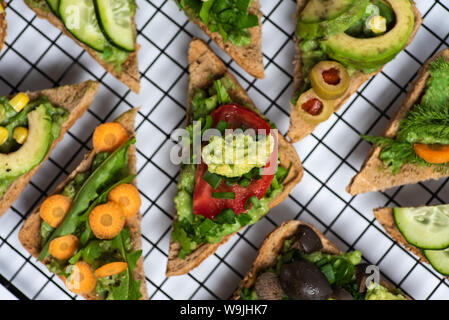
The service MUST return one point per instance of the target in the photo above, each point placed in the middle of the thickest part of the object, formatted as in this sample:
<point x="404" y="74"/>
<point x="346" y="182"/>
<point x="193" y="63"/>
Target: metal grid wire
<point x="38" y="56"/>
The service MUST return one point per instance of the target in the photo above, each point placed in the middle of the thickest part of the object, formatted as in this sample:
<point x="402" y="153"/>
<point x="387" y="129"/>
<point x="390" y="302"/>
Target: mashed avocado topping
<point x="235" y="155"/>
<point x="378" y="292"/>
<point x="191" y="230"/>
<point x="424" y="124"/>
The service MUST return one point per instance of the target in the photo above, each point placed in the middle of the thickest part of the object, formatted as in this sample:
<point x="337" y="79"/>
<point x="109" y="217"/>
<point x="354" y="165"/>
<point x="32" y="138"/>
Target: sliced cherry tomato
<point x="203" y="202"/>
<point x="432" y="153"/>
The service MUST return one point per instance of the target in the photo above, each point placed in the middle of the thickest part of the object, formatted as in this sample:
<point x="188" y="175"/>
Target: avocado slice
<point x="369" y="54"/>
<point x="321" y="18"/>
<point x="33" y="151"/>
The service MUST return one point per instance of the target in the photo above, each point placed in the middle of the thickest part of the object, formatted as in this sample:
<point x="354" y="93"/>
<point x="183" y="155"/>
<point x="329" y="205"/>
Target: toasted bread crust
<point x="30" y="235"/>
<point x="3" y="26"/>
<point x="299" y="128"/>
<point x="374" y="175"/>
<point x="205" y="66"/>
<point x="76" y="99"/>
<point x="250" y="57"/>
<point x="272" y="247"/>
<point x="129" y="74"/>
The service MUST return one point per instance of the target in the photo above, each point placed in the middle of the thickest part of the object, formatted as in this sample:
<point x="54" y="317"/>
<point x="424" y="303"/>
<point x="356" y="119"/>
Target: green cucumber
<point x="424" y="227"/>
<point x="439" y="259"/>
<point x="54" y="6"/>
<point x="79" y="19"/>
<point x="116" y="21"/>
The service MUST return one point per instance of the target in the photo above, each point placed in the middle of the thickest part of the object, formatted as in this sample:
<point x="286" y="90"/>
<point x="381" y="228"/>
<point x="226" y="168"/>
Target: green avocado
<point x="33" y="151"/>
<point x="321" y="18"/>
<point x="371" y="53"/>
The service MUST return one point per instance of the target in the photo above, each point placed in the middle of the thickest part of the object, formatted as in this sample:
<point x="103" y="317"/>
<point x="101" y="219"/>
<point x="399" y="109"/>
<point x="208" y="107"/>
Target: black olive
<point x="361" y="276"/>
<point x="341" y="294"/>
<point x="307" y="240"/>
<point x="302" y="280"/>
<point x="268" y="287"/>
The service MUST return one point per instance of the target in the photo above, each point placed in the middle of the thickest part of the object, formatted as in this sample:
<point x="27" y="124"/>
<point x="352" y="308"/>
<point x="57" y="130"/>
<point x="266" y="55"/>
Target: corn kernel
<point x="20" y="134"/>
<point x="3" y="135"/>
<point x="377" y="24"/>
<point x="19" y="101"/>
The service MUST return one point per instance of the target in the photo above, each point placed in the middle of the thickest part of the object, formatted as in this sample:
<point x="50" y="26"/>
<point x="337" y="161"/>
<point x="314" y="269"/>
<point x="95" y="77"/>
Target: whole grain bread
<point x="272" y="247"/>
<point x="299" y="128"/>
<point x="76" y="99"/>
<point x="129" y="73"/>
<point x="205" y="67"/>
<point x="249" y="57"/>
<point x="3" y="25"/>
<point x="374" y="175"/>
<point x="30" y="236"/>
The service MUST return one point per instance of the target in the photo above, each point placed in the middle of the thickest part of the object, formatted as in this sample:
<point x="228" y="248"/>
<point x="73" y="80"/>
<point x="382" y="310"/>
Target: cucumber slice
<point x="116" y="22"/>
<point x="54" y="6"/>
<point x="439" y="259"/>
<point x="424" y="227"/>
<point x="79" y="18"/>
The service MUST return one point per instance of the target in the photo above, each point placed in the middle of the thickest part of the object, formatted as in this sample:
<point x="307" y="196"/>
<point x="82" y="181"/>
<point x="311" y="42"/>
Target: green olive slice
<point x="329" y="79"/>
<point x="314" y="109"/>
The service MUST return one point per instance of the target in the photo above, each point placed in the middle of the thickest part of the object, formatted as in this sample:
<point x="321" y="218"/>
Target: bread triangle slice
<point x="205" y="67"/>
<point x="250" y="57"/>
<point x="273" y="245"/>
<point x="129" y="73"/>
<point x="3" y="25"/>
<point x="374" y="175"/>
<point x="299" y="128"/>
<point x="76" y="99"/>
<point x="30" y="235"/>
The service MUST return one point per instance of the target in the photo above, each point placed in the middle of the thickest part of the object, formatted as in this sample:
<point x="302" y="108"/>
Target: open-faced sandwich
<point x="3" y="23"/>
<point x="88" y="231"/>
<point x="216" y="197"/>
<point x="236" y="27"/>
<point x="297" y="262"/>
<point x="415" y="146"/>
<point x="341" y="44"/>
<point x="423" y="230"/>
<point x="31" y="125"/>
<point x="105" y="29"/>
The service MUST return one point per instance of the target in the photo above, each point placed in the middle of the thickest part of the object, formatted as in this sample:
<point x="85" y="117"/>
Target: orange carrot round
<point x="111" y="269"/>
<point x="64" y="247"/>
<point x="107" y="220"/>
<point x="432" y="153"/>
<point x="81" y="280"/>
<point x="54" y="209"/>
<point x="109" y="136"/>
<point x="128" y="197"/>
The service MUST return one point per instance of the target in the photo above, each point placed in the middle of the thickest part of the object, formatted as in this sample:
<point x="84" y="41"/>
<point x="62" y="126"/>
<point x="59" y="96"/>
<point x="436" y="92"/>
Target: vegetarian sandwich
<point x="341" y="44"/>
<point x="3" y="23"/>
<point x="105" y="29"/>
<point x="297" y="262"/>
<point x="88" y="231"/>
<point x="234" y="25"/>
<point x="423" y="231"/>
<point x="31" y="125"/>
<point x="415" y="146"/>
<point x="216" y="197"/>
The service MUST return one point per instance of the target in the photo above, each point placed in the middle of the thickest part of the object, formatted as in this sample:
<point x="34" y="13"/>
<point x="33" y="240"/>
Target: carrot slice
<point x="109" y="136"/>
<point x="432" y="153"/>
<point x="111" y="269"/>
<point x="54" y="209"/>
<point x="107" y="220"/>
<point x="81" y="280"/>
<point x="64" y="247"/>
<point x="128" y="197"/>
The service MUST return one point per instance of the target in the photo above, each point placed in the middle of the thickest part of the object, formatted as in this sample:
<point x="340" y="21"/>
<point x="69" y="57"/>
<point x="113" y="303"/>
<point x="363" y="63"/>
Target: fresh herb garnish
<point x="223" y="195"/>
<point x="214" y="180"/>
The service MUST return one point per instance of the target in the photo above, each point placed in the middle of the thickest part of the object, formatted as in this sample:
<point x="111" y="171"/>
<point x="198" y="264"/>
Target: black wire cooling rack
<point x="37" y="56"/>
